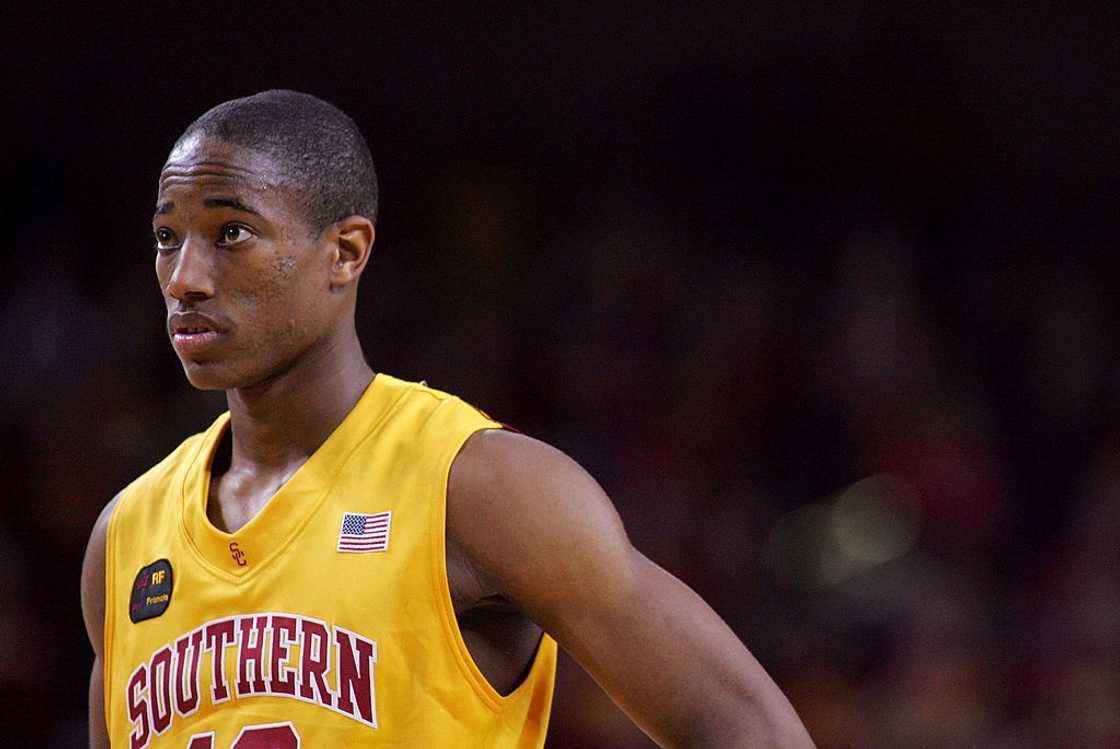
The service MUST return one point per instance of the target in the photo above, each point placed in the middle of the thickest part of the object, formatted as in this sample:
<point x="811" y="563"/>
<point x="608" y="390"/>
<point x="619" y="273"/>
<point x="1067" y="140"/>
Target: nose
<point x="191" y="276"/>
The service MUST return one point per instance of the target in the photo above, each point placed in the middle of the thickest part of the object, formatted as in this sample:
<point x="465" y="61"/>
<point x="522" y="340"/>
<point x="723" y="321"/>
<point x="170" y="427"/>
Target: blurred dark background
<point x="824" y="297"/>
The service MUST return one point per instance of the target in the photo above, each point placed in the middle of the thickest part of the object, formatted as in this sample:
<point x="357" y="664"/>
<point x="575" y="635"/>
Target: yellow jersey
<point x="326" y="621"/>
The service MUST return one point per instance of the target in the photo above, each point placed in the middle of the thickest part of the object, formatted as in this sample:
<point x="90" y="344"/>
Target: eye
<point x="165" y="239"/>
<point x="234" y="234"/>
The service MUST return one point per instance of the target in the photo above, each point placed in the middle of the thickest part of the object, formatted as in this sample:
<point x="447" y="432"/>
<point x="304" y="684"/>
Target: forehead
<point x="201" y="165"/>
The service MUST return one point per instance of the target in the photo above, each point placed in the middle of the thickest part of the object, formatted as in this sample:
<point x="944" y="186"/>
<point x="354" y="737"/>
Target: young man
<point x="344" y="558"/>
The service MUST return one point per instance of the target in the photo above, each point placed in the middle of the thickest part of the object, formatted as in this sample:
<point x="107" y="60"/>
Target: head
<point x="264" y="222"/>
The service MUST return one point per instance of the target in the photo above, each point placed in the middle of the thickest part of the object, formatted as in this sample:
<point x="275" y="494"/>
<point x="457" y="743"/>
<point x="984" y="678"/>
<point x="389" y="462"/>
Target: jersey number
<point x="271" y="736"/>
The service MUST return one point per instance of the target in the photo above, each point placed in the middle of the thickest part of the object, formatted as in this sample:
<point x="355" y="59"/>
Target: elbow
<point x="777" y="729"/>
<point x="780" y="728"/>
<point x="790" y="737"/>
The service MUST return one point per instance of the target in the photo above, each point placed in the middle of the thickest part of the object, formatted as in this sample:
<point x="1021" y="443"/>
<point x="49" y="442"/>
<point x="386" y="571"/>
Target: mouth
<point x="193" y="333"/>
<point x="192" y="329"/>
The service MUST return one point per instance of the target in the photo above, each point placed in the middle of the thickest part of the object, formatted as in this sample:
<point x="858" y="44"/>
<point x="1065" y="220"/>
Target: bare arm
<point x="541" y="532"/>
<point x="93" y="611"/>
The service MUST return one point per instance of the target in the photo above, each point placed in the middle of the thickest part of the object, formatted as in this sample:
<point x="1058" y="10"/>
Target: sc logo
<point x="237" y="554"/>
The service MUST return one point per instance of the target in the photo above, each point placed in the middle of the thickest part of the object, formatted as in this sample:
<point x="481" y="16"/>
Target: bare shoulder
<point x="505" y="479"/>
<point x="93" y="575"/>
<point x="531" y="520"/>
<point x="499" y="457"/>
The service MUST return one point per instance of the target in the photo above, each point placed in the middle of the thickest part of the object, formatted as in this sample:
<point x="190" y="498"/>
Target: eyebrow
<point x="233" y="203"/>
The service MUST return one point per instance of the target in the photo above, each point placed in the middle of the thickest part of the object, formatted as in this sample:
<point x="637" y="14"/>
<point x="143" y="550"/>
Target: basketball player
<point x="346" y="559"/>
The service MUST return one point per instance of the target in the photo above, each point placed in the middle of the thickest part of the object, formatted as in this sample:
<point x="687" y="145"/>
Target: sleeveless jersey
<point x="326" y="621"/>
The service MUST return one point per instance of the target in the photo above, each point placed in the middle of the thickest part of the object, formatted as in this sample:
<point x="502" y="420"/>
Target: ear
<point x="352" y="241"/>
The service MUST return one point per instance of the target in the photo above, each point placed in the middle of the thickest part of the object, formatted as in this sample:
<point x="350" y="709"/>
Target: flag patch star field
<point x="361" y="533"/>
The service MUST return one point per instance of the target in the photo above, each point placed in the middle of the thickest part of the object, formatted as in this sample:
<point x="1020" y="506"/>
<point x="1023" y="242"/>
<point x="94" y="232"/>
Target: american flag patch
<point x="361" y="533"/>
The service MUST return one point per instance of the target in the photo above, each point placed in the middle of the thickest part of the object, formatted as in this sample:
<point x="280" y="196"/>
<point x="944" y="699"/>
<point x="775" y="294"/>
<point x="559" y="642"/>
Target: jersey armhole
<point x="442" y="584"/>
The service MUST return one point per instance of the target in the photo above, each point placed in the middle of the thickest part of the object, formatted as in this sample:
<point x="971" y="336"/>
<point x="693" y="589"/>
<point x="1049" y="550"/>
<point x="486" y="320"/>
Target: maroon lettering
<point x="278" y="736"/>
<point x="218" y="635"/>
<point x="250" y="655"/>
<point x="284" y="654"/>
<point x="138" y="708"/>
<point x="283" y="635"/>
<point x="187" y="646"/>
<point x="314" y="646"/>
<point x="159" y="689"/>
<point x="283" y="736"/>
<point x="356" y="656"/>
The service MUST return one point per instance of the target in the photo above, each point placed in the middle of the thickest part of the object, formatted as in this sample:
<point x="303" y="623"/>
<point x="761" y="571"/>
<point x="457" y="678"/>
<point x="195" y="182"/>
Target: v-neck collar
<point x="236" y="556"/>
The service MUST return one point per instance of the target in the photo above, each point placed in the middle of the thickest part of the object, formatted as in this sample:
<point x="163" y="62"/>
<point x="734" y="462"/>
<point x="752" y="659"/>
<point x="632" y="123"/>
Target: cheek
<point x="277" y="305"/>
<point x="267" y="293"/>
<point x="282" y="269"/>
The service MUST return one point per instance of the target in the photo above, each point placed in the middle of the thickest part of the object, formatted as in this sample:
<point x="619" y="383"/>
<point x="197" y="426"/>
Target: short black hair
<point x="317" y="146"/>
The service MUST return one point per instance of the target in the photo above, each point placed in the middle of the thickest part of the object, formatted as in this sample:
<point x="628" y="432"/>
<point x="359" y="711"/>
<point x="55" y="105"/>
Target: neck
<point x="284" y="419"/>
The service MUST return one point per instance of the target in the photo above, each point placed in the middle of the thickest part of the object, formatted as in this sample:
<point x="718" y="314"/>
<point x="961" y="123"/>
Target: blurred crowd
<point x="733" y="408"/>
<point x="833" y="331"/>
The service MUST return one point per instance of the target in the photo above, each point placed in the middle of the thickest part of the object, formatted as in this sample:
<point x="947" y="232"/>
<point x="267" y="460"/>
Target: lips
<point x="194" y="333"/>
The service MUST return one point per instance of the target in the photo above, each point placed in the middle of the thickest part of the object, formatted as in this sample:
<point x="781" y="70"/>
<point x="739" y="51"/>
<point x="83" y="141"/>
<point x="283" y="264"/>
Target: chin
<point x="210" y="376"/>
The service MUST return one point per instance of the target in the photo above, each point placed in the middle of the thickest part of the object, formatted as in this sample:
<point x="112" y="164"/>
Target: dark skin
<point x="233" y="247"/>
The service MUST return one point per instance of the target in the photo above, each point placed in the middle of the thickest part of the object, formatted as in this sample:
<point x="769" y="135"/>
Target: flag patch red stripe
<point x="363" y="533"/>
